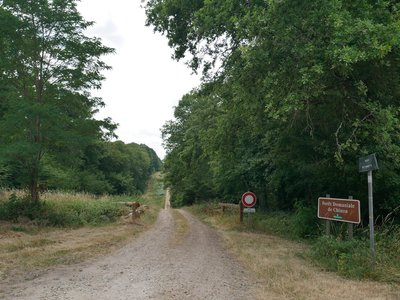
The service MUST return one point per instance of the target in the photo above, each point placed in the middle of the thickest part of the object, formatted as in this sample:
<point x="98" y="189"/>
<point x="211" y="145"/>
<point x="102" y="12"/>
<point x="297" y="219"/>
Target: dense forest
<point x="293" y="93"/>
<point x="49" y="138"/>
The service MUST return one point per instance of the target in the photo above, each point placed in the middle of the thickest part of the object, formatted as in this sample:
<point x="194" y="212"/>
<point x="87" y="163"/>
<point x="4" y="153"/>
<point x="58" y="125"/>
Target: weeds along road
<point x="179" y="258"/>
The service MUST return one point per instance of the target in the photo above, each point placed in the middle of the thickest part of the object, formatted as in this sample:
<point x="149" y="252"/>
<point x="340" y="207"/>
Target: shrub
<point x="274" y="222"/>
<point x="352" y="258"/>
<point x="349" y="258"/>
<point x="17" y="207"/>
<point x="77" y="213"/>
<point x="301" y="224"/>
<point x="304" y="223"/>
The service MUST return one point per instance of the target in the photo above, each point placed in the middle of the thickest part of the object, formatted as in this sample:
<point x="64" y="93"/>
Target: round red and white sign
<point x="249" y="199"/>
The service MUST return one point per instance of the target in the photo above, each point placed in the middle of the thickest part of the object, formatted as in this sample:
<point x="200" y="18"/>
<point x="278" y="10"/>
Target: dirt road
<point x="153" y="266"/>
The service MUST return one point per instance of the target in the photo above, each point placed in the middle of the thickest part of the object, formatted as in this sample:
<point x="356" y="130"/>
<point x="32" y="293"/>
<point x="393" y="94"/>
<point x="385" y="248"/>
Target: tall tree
<point x="46" y="75"/>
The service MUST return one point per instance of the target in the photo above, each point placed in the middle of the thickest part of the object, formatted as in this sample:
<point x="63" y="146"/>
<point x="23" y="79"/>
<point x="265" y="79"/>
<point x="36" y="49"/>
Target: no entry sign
<point x="342" y="210"/>
<point x="249" y="199"/>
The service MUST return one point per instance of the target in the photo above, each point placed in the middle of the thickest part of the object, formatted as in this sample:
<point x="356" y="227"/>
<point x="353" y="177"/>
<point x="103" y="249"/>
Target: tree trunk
<point x="34" y="184"/>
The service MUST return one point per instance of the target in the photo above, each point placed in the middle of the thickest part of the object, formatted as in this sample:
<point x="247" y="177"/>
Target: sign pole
<point x="327" y="222"/>
<point x="350" y="226"/>
<point x="369" y="163"/>
<point x="241" y="211"/>
<point x="371" y="217"/>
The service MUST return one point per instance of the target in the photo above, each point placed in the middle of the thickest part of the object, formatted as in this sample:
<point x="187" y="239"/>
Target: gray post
<point x="371" y="217"/>
<point x="241" y="211"/>
<point x="350" y="226"/>
<point x="328" y="222"/>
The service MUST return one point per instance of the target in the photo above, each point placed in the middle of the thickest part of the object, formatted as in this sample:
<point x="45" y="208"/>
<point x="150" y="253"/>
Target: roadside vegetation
<point x="349" y="258"/>
<point x="293" y="94"/>
<point x="68" y="228"/>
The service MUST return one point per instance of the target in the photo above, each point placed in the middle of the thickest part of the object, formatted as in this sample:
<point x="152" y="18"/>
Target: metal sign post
<point x="350" y="225"/>
<point x="249" y="211"/>
<point x="371" y="218"/>
<point x="368" y="164"/>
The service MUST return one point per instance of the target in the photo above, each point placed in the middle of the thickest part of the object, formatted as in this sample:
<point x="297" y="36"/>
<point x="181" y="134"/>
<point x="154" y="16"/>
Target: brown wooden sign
<point x="342" y="210"/>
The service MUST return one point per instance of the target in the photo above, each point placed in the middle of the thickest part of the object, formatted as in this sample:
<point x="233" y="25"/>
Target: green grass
<point x="181" y="228"/>
<point x="300" y="225"/>
<point x="351" y="258"/>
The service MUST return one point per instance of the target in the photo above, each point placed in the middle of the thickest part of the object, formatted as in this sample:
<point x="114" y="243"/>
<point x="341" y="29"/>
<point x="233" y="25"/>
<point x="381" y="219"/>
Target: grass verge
<point x="284" y="266"/>
<point x="181" y="228"/>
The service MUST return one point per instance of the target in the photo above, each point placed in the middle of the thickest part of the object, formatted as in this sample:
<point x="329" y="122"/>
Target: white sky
<point x="145" y="83"/>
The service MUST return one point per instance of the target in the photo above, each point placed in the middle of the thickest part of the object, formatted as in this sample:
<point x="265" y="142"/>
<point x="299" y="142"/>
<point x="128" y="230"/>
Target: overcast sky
<point x="145" y="83"/>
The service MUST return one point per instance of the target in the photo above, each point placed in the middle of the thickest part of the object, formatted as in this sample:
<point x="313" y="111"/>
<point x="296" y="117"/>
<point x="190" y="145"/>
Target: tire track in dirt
<point x="149" y="267"/>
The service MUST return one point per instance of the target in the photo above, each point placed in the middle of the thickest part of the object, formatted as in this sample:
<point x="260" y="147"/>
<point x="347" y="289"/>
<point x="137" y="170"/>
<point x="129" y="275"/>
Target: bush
<point x="349" y="258"/>
<point x="17" y="207"/>
<point x="274" y="222"/>
<point x="352" y="258"/>
<point x="304" y="223"/>
<point x="299" y="225"/>
<point x="78" y="213"/>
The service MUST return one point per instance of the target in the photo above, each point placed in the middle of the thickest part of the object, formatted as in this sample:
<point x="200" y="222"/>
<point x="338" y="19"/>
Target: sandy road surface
<point x="150" y="267"/>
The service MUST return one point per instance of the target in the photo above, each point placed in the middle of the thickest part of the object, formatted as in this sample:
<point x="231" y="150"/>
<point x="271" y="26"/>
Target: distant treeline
<point x="49" y="138"/>
<point x="294" y="93"/>
<point x="103" y="168"/>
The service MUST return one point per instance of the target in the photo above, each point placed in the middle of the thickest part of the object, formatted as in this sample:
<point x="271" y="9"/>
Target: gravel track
<point x="152" y="266"/>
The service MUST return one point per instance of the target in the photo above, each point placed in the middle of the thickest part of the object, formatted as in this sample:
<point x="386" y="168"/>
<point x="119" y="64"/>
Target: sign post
<point x="350" y="226"/>
<point x="328" y="222"/>
<point x="249" y="199"/>
<point x="368" y="164"/>
<point x="371" y="217"/>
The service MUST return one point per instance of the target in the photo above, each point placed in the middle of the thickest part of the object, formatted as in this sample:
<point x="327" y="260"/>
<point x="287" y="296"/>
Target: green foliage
<point x="300" y="91"/>
<point x="17" y="207"/>
<point x="118" y="168"/>
<point x="75" y="210"/>
<point x="72" y="213"/>
<point x="278" y="223"/>
<point x="47" y="70"/>
<point x="305" y="222"/>
<point x="78" y="213"/>
<point x="352" y="258"/>
<point x="104" y="168"/>
<point x="302" y="224"/>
